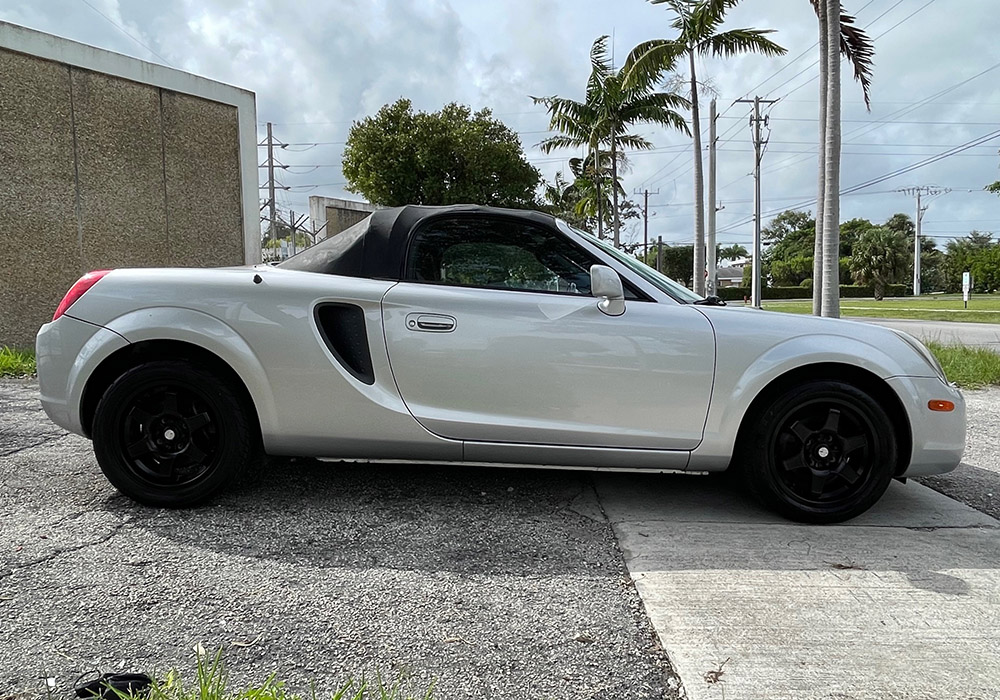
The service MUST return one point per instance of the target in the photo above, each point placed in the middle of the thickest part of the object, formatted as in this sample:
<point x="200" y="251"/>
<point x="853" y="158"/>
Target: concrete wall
<point x="337" y="214"/>
<point x="104" y="163"/>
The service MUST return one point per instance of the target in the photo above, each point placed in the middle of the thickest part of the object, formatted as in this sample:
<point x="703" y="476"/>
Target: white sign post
<point x="966" y="286"/>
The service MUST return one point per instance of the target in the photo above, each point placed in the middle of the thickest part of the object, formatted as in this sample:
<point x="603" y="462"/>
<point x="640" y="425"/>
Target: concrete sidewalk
<point x="902" y="602"/>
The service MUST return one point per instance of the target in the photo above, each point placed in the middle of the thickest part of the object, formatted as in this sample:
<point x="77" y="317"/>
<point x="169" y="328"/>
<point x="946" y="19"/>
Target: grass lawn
<point x="16" y="363"/>
<point x="983" y="308"/>
<point x="970" y="368"/>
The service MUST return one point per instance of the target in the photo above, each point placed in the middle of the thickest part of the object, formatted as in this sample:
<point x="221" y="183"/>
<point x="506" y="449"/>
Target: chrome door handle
<point x="430" y="323"/>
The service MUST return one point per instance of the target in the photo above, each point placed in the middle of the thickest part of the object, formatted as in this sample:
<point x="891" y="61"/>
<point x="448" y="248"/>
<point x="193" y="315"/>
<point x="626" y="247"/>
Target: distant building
<point x="336" y="214"/>
<point x="730" y="276"/>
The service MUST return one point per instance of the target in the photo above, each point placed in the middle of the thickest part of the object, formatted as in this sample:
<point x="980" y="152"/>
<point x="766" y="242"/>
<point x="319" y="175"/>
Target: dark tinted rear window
<point x="340" y="254"/>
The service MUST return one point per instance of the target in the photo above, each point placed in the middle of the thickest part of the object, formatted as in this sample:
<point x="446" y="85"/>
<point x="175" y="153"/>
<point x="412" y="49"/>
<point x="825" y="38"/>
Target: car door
<point x="493" y="336"/>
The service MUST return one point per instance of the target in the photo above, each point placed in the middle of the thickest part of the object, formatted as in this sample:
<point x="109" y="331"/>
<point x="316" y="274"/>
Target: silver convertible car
<point x="483" y="336"/>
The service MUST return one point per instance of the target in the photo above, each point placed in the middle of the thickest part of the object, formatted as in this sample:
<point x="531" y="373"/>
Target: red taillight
<point x="78" y="289"/>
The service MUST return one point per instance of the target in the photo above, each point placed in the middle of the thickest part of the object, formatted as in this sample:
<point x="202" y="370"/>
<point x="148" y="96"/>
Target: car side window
<point x="498" y="253"/>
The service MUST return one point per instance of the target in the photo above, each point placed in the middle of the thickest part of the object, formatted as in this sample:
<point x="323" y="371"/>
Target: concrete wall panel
<point x="38" y="223"/>
<point x="119" y="145"/>
<point x="202" y="163"/>
<point x="108" y="161"/>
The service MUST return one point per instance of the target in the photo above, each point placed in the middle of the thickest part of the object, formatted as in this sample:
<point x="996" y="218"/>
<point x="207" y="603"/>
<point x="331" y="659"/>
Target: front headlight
<point x="928" y="356"/>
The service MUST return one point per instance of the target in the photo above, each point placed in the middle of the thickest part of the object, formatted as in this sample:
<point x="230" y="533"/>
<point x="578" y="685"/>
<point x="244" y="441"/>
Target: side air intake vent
<point x="343" y="329"/>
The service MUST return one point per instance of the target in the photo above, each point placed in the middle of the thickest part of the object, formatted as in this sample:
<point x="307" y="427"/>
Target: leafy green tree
<point x="611" y="107"/>
<point x="932" y="274"/>
<point x="677" y="262"/>
<point x="791" y="272"/>
<point x="785" y="223"/>
<point x="398" y="156"/>
<point x="878" y="259"/>
<point x="698" y="26"/>
<point x="932" y="278"/>
<point x="961" y="255"/>
<point x="985" y="269"/>
<point x="787" y="237"/>
<point x="850" y="231"/>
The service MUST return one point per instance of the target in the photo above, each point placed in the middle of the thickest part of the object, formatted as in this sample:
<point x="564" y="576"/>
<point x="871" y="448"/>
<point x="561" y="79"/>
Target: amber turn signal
<point x="940" y="405"/>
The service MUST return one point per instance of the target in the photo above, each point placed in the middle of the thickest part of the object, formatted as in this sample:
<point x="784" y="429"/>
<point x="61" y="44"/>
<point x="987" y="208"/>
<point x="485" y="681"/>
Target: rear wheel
<point x="822" y="452"/>
<point x="172" y="435"/>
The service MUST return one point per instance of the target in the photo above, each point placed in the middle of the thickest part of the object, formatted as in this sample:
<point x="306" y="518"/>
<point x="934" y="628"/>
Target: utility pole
<point x="930" y="191"/>
<point x="270" y="164"/>
<point x="270" y="181"/>
<point x="710" y="254"/>
<point x="645" y="219"/>
<point x="758" y="148"/>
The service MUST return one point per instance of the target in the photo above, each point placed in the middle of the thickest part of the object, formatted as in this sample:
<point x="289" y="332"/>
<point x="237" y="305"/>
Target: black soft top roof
<point x="376" y="247"/>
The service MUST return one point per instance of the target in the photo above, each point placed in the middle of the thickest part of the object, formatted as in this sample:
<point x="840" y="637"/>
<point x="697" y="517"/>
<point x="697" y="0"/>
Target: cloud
<point x="316" y="67"/>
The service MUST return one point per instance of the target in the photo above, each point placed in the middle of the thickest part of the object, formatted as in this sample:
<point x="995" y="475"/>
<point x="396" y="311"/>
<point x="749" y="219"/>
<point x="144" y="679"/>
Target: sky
<point x="316" y="66"/>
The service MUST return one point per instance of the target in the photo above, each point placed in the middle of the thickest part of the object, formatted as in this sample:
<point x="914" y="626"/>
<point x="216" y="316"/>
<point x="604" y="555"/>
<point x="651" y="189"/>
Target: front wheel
<point x="822" y="452"/>
<point x="171" y="435"/>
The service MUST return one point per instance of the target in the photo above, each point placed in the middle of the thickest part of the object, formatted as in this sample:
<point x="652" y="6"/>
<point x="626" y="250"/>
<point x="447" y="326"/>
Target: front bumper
<point x="938" y="437"/>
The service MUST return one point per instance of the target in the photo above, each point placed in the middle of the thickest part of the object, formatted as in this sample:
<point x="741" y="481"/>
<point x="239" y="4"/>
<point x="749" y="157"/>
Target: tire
<point x="821" y="452"/>
<point x="168" y="434"/>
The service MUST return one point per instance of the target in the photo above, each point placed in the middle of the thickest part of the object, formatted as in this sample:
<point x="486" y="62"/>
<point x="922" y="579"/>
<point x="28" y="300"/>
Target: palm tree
<point x="697" y="23"/>
<point x="835" y="29"/>
<point x="594" y="187"/>
<point x="731" y="253"/>
<point x="878" y="257"/>
<point x="611" y="107"/>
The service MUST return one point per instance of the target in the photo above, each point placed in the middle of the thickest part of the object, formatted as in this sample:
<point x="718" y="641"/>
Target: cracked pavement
<point x="491" y="582"/>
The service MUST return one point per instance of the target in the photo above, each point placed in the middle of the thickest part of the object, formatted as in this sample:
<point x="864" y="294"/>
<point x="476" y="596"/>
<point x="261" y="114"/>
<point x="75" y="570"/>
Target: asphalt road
<point x="492" y="583"/>
<point x="986" y="335"/>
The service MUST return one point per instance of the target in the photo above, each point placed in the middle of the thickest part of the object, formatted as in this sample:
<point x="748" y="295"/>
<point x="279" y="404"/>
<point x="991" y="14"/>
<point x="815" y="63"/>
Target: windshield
<point x="660" y="281"/>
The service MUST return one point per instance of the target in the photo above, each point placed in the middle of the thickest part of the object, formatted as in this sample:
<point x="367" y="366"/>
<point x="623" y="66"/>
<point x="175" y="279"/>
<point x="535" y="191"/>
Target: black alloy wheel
<point x="822" y="452"/>
<point x="170" y="434"/>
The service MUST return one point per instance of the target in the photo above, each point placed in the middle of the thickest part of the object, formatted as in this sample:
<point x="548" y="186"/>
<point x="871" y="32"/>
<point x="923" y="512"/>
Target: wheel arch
<point x="135" y="354"/>
<point x="859" y="377"/>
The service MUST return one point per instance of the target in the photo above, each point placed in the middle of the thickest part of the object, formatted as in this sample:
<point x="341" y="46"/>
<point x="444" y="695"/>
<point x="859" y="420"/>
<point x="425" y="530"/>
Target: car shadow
<point x="531" y="522"/>
<point x="520" y="522"/>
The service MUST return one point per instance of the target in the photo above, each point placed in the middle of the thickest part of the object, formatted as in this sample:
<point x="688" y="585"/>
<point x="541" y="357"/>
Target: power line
<point x="126" y="33"/>
<point x="792" y="62"/>
<point x="870" y="125"/>
<point x="922" y="7"/>
<point x="816" y="62"/>
<point x="883" y="121"/>
<point x="887" y="176"/>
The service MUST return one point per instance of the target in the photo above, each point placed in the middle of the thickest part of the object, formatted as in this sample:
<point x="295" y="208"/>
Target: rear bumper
<point x="938" y="437"/>
<point x="67" y="351"/>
